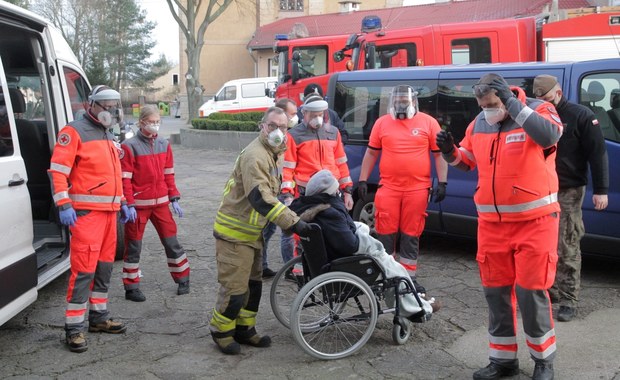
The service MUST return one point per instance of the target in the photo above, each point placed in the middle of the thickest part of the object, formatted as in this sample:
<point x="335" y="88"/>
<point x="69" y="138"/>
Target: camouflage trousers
<point x="568" y="274"/>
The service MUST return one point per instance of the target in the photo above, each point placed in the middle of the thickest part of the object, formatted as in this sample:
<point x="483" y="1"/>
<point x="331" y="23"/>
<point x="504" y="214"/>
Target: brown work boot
<point x="77" y="342"/>
<point x="226" y="343"/>
<point x="249" y="336"/>
<point x="109" y="326"/>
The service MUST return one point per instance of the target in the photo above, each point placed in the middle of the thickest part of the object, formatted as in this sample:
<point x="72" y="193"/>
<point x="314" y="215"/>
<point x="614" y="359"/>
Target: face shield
<point x="403" y="103"/>
<point x="110" y="109"/>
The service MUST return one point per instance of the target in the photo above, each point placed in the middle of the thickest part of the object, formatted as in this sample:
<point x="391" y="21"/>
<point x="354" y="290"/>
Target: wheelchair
<point x="332" y="307"/>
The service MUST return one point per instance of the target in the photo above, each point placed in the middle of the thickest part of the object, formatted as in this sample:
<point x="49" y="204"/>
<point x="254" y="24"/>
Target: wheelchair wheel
<point x="401" y="331"/>
<point x="333" y="315"/>
<point x="283" y="292"/>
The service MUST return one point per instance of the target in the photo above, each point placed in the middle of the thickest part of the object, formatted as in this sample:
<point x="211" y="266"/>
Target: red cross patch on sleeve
<point x="64" y="139"/>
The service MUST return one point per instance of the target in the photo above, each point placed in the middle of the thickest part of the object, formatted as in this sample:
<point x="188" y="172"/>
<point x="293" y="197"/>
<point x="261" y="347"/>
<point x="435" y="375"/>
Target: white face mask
<point x="293" y="122"/>
<point x="494" y="115"/>
<point x="316" y="122"/>
<point x="110" y="117"/>
<point x="151" y="128"/>
<point x="275" y="138"/>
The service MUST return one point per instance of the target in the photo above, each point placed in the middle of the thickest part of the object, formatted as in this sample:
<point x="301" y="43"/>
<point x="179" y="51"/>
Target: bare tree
<point x="194" y="30"/>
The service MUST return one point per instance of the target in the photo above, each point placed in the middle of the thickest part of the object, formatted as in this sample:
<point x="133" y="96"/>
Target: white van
<point x="242" y="95"/>
<point x="42" y="87"/>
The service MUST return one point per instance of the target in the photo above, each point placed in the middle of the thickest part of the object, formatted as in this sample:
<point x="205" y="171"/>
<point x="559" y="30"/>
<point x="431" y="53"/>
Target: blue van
<point x="445" y="92"/>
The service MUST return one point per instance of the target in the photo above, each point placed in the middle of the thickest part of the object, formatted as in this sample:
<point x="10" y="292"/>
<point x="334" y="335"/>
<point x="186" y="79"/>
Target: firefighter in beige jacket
<point x="249" y="203"/>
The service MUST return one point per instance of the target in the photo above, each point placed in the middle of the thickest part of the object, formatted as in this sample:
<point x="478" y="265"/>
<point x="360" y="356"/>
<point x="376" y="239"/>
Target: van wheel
<point x="120" y="238"/>
<point x="364" y="211"/>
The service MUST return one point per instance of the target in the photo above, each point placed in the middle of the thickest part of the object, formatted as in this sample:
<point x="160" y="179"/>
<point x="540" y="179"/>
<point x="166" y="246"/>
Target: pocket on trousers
<point x="84" y="256"/>
<point x="552" y="263"/>
<point x="483" y="267"/>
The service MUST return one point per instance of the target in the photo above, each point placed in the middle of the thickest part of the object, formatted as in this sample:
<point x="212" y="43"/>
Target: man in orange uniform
<point x="512" y="142"/>
<point x="87" y="187"/>
<point x="404" y="138"/>
<point x="312" y="146"/>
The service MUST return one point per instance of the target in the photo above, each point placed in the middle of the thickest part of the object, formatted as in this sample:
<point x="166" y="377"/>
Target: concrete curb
<point x="233" y="141"/>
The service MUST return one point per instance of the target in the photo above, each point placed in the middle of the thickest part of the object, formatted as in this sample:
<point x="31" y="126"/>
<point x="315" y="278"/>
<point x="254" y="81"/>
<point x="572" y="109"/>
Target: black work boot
<point x="495" y="371"/>
<point x="135" y="295"/>
<point x="543" y="371"/>
<point x="76" y="342"/>
<point x="246" y="335"/>
<point x="226" y="343"/>
<point x="566" y="313"/>
<point x="183" y="288"/>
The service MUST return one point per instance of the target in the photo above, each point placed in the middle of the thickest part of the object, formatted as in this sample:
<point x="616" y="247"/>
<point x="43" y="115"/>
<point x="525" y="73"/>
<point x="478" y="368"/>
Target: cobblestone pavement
<point x="168" y="336"/>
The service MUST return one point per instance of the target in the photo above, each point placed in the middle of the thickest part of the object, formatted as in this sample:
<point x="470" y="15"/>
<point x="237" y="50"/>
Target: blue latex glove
<point x="128" y="214"/>
<point x="68" y="217"/>
<point x="177" y="209"/>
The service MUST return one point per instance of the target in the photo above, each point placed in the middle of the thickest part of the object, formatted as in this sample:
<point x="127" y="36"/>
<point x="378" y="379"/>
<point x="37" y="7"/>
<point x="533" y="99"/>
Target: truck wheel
<point x="120" y="238"/>
<point x="364" y="211"/>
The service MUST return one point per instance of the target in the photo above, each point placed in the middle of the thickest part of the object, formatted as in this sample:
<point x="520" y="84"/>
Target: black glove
<point x="445" y="142"/>
<point x="439" y="193"/>
<point x="502" y="89"/>
<point x="302" y="228"/>
<point x="362" y="189"/>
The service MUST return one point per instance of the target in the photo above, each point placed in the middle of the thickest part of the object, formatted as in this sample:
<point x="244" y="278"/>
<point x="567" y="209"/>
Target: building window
<point x="292" y="5"/>
<point x="272" y="68"/>
<point x="175" y="79"/>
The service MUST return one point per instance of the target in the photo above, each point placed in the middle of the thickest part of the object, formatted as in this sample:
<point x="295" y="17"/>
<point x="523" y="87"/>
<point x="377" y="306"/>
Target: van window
<point x="6" y="137"/>
<point x="253" y="90"/>
<point x="312" y="61"/>
<point x="361" y="104"/>
<point x="78" y="90"/>
<point x="471" y="50"/>
<point x="227" y="93"/>
<point x="399" y="55"/>
<point x="601" y="93"/>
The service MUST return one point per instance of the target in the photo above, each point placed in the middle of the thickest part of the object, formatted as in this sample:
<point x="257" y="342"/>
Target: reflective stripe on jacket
<point x="249" y="199"/>
<point x="148" y="171"/>
<point x="310" y="150"/>
<point x="516" y="175"/>
<point x="85" y="168"/>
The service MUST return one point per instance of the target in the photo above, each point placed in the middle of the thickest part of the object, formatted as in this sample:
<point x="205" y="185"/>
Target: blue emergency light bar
<point x="371" y="23"/>
<point x="281" y="37"/>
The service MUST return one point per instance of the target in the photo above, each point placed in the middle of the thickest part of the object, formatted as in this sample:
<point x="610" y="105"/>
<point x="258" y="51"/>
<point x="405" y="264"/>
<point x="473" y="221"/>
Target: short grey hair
<point x="270" y="110"/>
<point x="482" y="88"/>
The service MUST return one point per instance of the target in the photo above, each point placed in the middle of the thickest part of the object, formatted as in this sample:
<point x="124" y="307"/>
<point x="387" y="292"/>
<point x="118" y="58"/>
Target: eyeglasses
<point x="105" y="107"/>
<point x="274" y="126"/>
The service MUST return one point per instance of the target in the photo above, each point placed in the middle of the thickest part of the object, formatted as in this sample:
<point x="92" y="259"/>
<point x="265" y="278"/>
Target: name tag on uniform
<point x="515" y="137"/>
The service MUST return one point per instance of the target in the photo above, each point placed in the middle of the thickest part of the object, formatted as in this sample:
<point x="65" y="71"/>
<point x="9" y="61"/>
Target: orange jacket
<point x="85" y="167"/>
<point x="308" y="151"/>
<point x="515" y="160"/>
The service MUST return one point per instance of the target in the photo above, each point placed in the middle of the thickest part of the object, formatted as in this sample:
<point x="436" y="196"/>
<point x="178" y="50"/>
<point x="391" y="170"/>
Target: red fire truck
<point x="302" y="61"/>
<point x="590" y="36"/>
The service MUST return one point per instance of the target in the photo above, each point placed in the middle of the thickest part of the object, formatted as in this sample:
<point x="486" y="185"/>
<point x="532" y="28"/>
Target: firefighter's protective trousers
<point x="166" y="228"/>
<point x="93" y="246"/>
<point x="239" y="268"/>
<point x="399" y="222"/>
<point x="517" y="262"/>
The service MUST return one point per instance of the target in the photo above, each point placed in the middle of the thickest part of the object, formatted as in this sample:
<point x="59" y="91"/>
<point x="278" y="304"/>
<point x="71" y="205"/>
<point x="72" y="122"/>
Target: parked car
<point x="242" y="95"/>
<point x="445" y="92"/>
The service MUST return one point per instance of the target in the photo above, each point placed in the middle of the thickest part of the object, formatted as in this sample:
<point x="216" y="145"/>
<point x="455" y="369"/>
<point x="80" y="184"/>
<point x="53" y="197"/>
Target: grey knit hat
<point x="322" y="182"/>
<point x="314" y="103"/>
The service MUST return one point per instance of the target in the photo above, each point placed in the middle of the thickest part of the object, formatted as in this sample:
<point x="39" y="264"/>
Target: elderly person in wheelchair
<point x="323" y="205"/>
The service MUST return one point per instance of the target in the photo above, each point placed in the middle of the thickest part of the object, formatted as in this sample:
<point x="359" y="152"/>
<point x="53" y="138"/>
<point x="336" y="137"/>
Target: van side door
<point x="596" y="85"/>
<point x="18" y="263"/>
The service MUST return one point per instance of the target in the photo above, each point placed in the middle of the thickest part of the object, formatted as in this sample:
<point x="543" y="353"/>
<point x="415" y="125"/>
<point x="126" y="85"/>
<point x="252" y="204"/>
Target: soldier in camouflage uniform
<point x="582" y="144"/>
